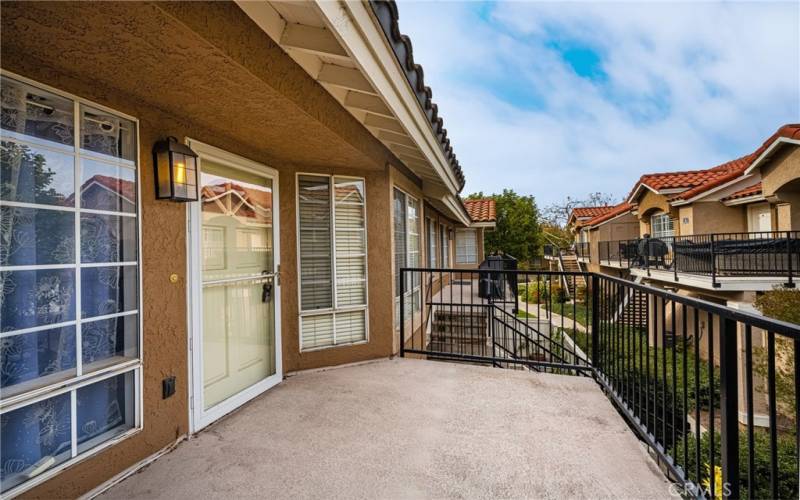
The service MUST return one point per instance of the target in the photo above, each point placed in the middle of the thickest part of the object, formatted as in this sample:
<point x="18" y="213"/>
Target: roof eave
<point x="772" y="148"/>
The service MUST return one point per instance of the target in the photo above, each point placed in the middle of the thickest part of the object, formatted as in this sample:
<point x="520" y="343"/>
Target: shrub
<point x="787" y="462"/>
<point x="581" y="294"/>
<point x="783" y="304"/>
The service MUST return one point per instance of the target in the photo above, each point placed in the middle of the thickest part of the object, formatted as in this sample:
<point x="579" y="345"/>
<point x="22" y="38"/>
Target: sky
<point x="560" y="99"/>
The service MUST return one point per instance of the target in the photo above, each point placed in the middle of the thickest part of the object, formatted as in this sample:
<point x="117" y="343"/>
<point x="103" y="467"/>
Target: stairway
<point x="462" y="330"/>
<point x="633" y="309"/>
<point x="569" y="263"/>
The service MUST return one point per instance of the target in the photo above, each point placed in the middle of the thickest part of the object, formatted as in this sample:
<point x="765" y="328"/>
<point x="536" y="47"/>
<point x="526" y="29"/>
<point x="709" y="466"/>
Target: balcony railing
<point x="768" y="253"/>
<point x="711" y="390"/>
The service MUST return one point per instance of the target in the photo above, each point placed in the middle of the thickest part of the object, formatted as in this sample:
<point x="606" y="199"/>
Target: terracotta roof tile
<point x="581" y="212"/>
<point x="699" y="181"/>
<point x="610" y="214"/>
<point x="753" y="190"/>
<point x="482" y="210"/>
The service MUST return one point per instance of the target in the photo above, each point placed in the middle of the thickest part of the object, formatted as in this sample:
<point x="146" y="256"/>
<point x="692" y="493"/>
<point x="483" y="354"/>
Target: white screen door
<point x="235" y="339"/>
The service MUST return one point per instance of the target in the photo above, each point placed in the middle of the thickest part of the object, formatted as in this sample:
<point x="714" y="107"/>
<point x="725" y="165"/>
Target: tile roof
<point x="719" y="175"/>
<point x="388" y="16"/>
<point x="697" y="182"/>
<point x="610" y="214"/>
<point x="753" y="190"/>
<point x="482" y="210"/>
<point x="582" y="212"/>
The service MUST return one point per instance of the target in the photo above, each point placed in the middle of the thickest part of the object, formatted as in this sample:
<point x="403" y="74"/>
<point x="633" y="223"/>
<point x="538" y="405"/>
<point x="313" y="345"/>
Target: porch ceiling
<point x="204" y="63"/>
<point x="411" y="428"/>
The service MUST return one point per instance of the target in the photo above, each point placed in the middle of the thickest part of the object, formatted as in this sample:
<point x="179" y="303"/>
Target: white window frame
<point x="133" y="366"/>
<point x="445" y="244"/>
<point x="474" y="233"/>
<point x="335" y="309"/>
<point x="432" y="234"/>
<point x="409" y="294"/>
<point x="661" y="226"/>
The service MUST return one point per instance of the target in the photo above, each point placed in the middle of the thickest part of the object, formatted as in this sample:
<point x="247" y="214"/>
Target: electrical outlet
<point x="168" y="387"/>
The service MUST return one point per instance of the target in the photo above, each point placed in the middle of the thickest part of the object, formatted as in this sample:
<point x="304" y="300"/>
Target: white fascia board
<point x="635" y="193"/>
<point x="623" y="214"/>
<point x="483" y="224"/>
<point x="744" y="201"/>
<point x="457" y="209"/>
<point x="770" y="149"/>
<point x="359" y="32"/>
<point x="710" y="192"/>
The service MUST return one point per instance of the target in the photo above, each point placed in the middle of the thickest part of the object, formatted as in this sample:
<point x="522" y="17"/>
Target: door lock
<point x="266" y="289"/>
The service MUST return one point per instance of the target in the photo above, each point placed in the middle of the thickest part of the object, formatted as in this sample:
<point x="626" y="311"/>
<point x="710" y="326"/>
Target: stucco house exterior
<point x="129" y="321"/>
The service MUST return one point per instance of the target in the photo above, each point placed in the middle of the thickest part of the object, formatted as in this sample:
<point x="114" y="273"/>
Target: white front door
<point x="235" y="340"/>
<point x="760" y="218"/>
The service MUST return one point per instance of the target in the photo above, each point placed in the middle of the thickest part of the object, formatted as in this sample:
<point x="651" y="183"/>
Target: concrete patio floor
<point x="408" y="428"/>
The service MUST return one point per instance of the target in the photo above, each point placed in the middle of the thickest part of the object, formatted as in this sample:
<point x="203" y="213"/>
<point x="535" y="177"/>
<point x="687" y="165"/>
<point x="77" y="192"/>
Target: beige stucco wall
<point x="650" y="203"/>
<point x="714" y="217"/>
<point x="780" y="180"/>
<point x="205" y="71"/>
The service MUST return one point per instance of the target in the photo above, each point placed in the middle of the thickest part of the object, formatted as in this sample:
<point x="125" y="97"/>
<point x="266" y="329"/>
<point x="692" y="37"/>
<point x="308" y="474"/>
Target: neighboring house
<point x="470" y="240"/>
<point x="324" y="169"/>
<point x="577" y="225"/>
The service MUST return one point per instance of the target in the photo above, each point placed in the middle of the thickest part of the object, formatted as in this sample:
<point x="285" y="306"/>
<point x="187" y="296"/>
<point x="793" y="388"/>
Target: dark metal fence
<point x="712" y="390"/>
<point x="582" y="250"/>
<point x="768" y="253"/>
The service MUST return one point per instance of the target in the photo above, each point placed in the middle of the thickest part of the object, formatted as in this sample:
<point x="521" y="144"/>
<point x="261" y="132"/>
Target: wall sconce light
<point x="176" y="171"/>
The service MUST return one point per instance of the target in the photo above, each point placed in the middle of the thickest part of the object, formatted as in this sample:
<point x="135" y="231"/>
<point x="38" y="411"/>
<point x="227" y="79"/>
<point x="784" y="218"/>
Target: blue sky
<point x="561" y="99"/>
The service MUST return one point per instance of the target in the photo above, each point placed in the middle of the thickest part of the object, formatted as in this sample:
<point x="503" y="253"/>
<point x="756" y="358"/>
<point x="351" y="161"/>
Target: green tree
<point x="518" y="231"/>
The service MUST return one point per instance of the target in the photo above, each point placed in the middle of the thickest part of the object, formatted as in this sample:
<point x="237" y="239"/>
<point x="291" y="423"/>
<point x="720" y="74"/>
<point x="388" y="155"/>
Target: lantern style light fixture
<point x="176" y="171"/>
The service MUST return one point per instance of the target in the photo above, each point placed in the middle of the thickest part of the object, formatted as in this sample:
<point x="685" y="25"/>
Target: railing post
<point x="595" y="319"/>
<point x="729" y="405"/>
<point x="402" y="318"/>
<point x="674" y="259"/>
<point x="713" y="265"/>
<point x="790" y="284"/>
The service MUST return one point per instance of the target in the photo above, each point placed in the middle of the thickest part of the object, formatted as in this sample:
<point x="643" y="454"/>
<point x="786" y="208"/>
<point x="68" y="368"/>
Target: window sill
<point x="44" y="476"/>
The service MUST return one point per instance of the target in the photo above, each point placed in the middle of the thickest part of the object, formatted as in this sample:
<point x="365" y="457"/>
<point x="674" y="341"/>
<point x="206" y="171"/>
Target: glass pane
<point x="238" y="316"/>
<point x="237" y="223"/>
<point x="107" y="134"/>
<point x="107" y="187"/>
<point x="107" y="238"/>
<point x="109" y="341"/>
<point x="32" y="360"/>
<point x="36" y="236"/>
<point x="314" y="214"/>
<point x="34" y="298"/>
<point x="29" y="111"/>
<point x="33" y="175"/>
<point x="105" y="410"/>
<point x="351" y="327"/>
<point x="35" y="438"/>
<point x="316" y="331"/>
<point x="108" y="290"/>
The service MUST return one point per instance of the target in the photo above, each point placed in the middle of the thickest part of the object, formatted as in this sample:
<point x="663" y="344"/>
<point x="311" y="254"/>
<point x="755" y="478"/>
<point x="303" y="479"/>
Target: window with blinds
<point x="332" y="243"/>
<point x="466" y="247"/>
<point x="406" y="251"/>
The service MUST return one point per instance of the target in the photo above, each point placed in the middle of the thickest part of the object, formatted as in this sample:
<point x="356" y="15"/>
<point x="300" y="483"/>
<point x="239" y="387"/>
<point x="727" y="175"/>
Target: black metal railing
<point x="767" y="253"/>
<point x="582" y="250"/>
<point x="713" y="391"/>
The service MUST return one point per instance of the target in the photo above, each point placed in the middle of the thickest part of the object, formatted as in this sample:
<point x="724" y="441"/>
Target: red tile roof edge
<point x="614" y="212"/>
<point x="751" y="190"/>
<point x="481" y="210"/>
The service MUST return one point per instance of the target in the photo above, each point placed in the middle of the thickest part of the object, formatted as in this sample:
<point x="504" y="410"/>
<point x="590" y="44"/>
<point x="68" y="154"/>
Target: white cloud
<point x="729" y="74"/>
